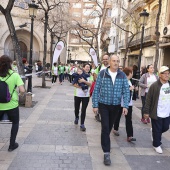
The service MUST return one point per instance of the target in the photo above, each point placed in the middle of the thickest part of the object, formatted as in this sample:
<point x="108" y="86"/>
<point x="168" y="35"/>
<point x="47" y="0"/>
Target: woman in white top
<point x="145" y="82"/>
<point x="128" y="123"/>
<point x="80" y="96"/>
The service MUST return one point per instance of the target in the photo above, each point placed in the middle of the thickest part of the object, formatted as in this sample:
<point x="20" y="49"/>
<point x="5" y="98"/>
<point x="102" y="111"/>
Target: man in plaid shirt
<point x="110" y="86"/>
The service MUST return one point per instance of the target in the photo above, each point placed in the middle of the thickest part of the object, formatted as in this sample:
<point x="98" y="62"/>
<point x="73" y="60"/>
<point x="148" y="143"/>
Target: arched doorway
<point x="24" y="50"/>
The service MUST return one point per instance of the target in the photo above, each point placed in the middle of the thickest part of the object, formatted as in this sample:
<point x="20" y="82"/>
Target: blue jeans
<point x="108" y="116"/>
<point x="159" y="126"/>
<point x="61" y="77"/>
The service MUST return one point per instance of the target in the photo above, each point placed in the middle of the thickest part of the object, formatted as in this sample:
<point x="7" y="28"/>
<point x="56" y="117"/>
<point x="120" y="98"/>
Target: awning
<point x="134" y="53"/>
<point x="164" y="45"/>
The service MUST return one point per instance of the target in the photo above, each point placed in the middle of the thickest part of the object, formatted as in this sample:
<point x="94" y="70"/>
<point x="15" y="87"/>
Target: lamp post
<point x="70" y="57"/>
<point x="32" y="13"/>
<point x="143" y="19"/>
<point x="68" y="54"/>
<point x="107" y="43"/>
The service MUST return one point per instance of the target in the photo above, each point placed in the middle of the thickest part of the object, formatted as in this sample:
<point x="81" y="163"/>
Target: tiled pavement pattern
<point x="50" y="141"/>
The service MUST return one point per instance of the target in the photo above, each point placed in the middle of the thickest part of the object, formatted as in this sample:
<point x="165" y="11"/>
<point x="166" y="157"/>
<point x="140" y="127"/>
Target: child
<point x="80" y="74"/>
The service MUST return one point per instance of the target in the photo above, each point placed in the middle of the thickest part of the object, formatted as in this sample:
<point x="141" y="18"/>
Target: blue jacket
<point x="107" y="93"/>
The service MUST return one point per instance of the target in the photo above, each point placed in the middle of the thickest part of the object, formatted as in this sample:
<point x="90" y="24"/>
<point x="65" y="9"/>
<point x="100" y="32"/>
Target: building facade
<point x="128" y="19"/>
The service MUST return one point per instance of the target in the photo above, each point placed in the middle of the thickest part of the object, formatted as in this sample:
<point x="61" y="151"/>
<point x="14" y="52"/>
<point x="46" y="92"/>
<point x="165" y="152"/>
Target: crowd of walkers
<point x="112" y="89"/>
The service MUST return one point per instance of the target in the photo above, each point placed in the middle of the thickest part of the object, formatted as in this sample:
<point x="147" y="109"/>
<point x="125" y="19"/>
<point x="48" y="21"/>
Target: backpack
<point x="5" y="95"/>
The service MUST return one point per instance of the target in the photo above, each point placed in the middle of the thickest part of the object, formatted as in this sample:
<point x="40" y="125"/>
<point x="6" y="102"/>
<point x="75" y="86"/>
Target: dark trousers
<point x="61" y="77"/>
<point x="159" y="126"/>
<point x="13" y="115"/>
<point x="143" y="98"/>
<point x="54" y="78"/>
<point x="77" y="101"/>
<point x="128" y="121"/>
<point x="108" y="115"/>
<point x="70" y="78"/>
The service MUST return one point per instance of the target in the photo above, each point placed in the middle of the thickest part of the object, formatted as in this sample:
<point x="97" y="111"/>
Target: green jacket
<point x="152" y="98"/>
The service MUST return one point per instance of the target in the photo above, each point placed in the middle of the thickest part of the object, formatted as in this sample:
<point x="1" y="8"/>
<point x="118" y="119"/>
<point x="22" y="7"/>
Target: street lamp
<point x="32" y="13"/>
<point x="68" y="53"/>
<point x="143" y="19"/>
<point x="107" y="44"/>
<point x="70" y="58"/>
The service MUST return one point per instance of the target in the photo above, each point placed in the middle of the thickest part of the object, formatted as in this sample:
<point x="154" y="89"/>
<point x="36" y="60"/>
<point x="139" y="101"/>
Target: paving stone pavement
<point x="49" y="140"/>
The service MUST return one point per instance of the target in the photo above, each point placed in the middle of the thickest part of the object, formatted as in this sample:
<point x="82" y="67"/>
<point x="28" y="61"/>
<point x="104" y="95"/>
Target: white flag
<point x="94" y="56"/>
<point x="58" y="49"/>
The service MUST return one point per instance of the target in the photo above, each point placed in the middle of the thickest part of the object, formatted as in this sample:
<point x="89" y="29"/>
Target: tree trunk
<point x="157" y="36"/>
<point x="51" y="50"/>
<point x="45" y="49"/>
<point x="126" y="51"/>
<point x="15" y="42"/>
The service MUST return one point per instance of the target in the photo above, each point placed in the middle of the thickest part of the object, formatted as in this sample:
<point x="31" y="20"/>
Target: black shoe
<point x="76" y="121"/>
<point x="97" y="117"/>
<point x="107" y="160"/>
<point x="131" y="139"/>
<point x="11" y="148"/>
<point x="82" y="128"/>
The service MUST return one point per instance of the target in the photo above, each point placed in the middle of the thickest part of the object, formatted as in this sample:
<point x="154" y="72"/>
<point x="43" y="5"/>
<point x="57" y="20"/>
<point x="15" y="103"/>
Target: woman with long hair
<point x="81" y="97"/>
<point x="145" y="82"/>
<point x="10" y="107"/>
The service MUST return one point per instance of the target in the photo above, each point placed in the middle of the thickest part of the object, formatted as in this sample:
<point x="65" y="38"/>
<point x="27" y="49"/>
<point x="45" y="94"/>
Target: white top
<point x="150" y="80"/>
<point x="66" y="67"/>
<point x="131" y="101"/>
<point x="163" y="109"/>
<point x="80" y="93"/>
<point x="113" y="75"/>
<point x="55" y="71"/>
<point x="72" y="70"/>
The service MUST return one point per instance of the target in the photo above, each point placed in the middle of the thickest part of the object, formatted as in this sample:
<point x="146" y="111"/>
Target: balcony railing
<point x="149" y="36"/>
<point x="134" y="6"/>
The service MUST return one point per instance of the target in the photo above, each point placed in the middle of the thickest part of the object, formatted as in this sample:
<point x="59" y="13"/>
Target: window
<point x="74" y="40"/>
<point x="89" y="5"/>
<point x="85" y="31"/>
<point x="76" y="5"/>
<point x="76" y="14"/>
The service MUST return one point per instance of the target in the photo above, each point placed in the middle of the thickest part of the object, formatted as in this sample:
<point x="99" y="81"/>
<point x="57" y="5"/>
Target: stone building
<point x="20" y="16"/>
<point x="135" y="7"/>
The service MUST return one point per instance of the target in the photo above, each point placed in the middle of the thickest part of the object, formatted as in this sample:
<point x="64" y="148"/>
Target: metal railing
<point x="149" y="35"/>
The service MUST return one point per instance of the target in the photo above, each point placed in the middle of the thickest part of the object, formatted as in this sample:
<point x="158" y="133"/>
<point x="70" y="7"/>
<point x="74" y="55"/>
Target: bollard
<point x="28" y="99"/>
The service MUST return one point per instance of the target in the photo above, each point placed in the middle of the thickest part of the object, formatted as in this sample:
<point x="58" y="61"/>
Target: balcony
<point x="122" y="44"/>
<point x="136" y="5"/>
<point x="149" y="37"/>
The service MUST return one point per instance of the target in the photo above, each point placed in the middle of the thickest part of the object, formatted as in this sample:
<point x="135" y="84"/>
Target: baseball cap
<point x="163" y="69"/>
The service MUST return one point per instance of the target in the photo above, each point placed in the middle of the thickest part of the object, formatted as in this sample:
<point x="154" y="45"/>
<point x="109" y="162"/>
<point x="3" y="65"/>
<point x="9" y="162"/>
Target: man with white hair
<point x="157" y="107"/>
<point x="111" y="85"/>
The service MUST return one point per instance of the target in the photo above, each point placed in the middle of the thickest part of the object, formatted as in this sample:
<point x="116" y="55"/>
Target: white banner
<point x="58" y="49"/>
<point x="94" y="56"/>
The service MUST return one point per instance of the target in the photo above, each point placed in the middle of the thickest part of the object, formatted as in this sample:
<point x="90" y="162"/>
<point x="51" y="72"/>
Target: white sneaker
<point x="158" y="149"/>
<point x="151" y="135"/>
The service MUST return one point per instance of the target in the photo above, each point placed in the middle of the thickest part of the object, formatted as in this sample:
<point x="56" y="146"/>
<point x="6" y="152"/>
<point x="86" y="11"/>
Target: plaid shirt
<point x="107" y="93"/>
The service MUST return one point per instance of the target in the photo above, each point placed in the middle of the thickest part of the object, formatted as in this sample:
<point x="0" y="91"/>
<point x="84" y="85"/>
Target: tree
<point x="90" y="32"/>
<point x="135" y="20"/>
<point x="59" y="25"/>
<point x="157" y="33"/>
<point x="17" y="51"/>
<point x="47" y="6"/>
